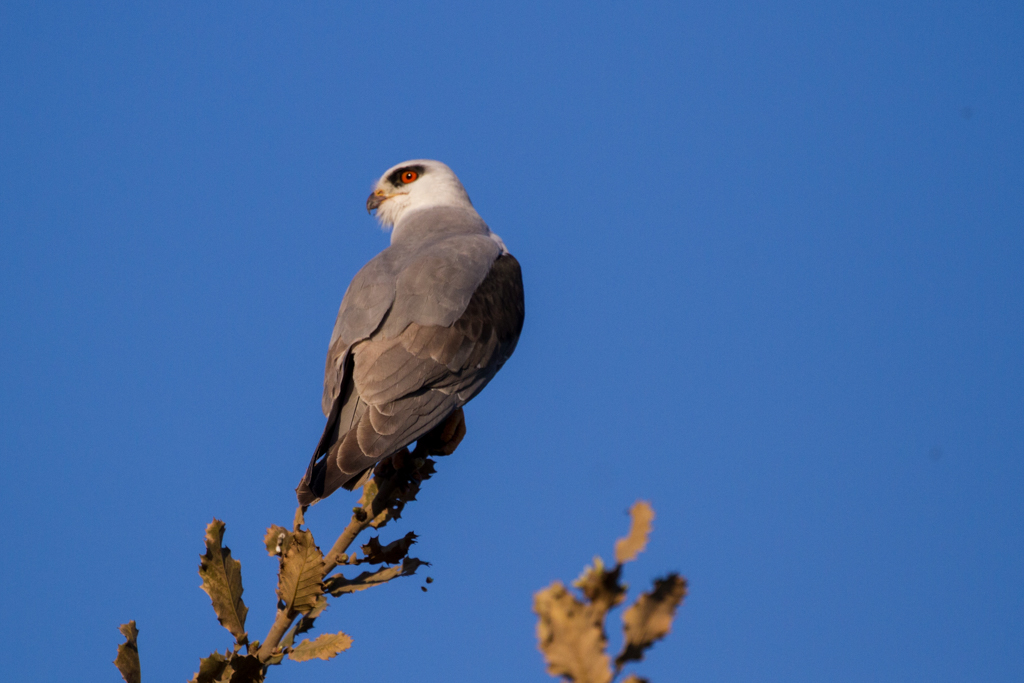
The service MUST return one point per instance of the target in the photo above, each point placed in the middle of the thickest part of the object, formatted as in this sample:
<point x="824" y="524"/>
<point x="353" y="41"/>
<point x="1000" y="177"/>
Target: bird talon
<point x="446" y="437"/>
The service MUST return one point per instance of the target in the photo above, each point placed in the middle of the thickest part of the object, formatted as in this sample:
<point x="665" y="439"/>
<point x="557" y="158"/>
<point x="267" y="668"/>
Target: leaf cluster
<point x="127" y="661"/>
<point x="571" y="626"/>
<point x="306" y="579"/>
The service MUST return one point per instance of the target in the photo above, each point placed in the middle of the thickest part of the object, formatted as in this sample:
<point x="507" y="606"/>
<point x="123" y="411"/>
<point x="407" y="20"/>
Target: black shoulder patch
<point x="499" y="300"/>
<point x="395" y="177"/>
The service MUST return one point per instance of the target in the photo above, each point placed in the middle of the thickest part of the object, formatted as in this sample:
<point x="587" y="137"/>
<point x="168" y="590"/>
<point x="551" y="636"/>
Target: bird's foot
<point x="444" y="438"/>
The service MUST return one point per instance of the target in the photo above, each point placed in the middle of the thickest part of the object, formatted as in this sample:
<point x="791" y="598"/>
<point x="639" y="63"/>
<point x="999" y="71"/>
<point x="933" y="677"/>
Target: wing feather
<point x="408" y="383"/>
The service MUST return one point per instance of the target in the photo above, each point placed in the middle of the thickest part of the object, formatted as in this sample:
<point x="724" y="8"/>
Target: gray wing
<point x="393" y="389"/>
<point x="427" y="281"/>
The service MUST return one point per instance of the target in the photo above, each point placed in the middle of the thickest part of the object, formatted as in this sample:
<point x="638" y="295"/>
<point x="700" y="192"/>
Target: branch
<point x="399" y="478"/>
<point x="282" y="621"/>
<point x="359" y="523"/>
<point x="571" y="627"/>
<point x="303" y="583"/>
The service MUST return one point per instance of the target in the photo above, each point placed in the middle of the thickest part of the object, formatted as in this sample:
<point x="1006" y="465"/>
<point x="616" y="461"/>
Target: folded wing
<point x="403" y="380"/>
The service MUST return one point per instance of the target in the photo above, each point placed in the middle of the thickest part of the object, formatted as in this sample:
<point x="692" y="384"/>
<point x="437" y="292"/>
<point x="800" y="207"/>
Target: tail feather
<point x="325" y="475"/>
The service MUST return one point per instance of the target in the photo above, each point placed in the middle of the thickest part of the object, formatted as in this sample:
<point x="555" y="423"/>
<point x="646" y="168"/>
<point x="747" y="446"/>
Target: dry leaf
<point x="572" y="642"/>
<point x="649" y="619"/>
<point x="570" y="631"/>
<point x="626" y="549"/>
<point x="277" y="655"/>
<point x="366" y="500"/>
<point x="337" y="585"/>
<point x="246" y="669"/>
<point x="229" y="668"/>
<point x="392" y="553"/>
<point x="277" y="540"/>
<point x="127" y="661"/>
<point x="401" y="476"/>
<point x="302" y="569"/>
<point x="601" y="587"/>
<point x="324" y="647"/>
<point x="222" y="580"/>
<point x="212" y="669"/>
<point x="318" y="609"/>
<point x="305" y="622"/>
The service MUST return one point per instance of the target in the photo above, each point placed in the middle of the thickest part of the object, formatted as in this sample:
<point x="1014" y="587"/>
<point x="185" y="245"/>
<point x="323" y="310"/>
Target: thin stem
<point x="354" y="528"/>
<point x="284" y="618"/>
<point x="277" y="630"/>
<point x="361" y="519"/>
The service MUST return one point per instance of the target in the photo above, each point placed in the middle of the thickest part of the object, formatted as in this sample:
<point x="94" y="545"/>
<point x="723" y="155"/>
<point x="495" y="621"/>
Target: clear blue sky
<point x="774" y="265"/>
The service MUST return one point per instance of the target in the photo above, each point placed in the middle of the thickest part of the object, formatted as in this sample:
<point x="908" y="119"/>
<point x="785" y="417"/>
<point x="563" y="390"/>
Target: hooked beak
<point x="375" y="200"/>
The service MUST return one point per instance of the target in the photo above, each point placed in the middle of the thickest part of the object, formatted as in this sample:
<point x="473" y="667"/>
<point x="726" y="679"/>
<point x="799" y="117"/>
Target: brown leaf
<point x="127" y="661"/>
<point x="324" y="647"/>
<point x="302" y="569"/>
<point x="318" y="609"/>
<point x="626" y="549"/>
<point x="601" y="587"/>
<point x="337" y="585"/>
<point x="277" y="655"/>
<point x="246" y="669"/>
<point x="398" y="480"/>
<point x="277" y="540"/>
<point x="392" y="553"/>
<point x="222" y="580"/>
<point x="572" y="642"/>
<point x="369" y="493"/>
<point x="229" y="668"/>
<point x="305" y="622"/>
<point x="649" y="619"/>
<point x="212" y="669"/>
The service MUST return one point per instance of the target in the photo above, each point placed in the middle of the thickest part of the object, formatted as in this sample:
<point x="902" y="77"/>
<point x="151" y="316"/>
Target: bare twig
<point x="303" y="582"/>
<point x="390" y="477"/>
<point x="277" y="630"/>
<point x="360" y="521"/>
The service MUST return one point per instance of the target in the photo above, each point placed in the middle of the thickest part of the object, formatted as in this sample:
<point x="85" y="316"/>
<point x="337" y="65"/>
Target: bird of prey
<point x="423" y="327"/>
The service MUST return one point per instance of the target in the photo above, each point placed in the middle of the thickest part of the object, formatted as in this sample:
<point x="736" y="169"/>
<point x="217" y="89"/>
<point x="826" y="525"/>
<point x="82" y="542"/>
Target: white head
<point x="413" y="185"/>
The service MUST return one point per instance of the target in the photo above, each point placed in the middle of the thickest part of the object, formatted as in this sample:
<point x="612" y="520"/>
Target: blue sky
<point x="774" y="268"/>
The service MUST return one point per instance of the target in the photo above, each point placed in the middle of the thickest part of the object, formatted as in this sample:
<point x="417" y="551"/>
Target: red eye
<point x="409" y="176"/>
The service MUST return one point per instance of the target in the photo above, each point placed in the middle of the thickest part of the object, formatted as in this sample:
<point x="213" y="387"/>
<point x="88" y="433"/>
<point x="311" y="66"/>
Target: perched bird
<point x="423" y="327"/>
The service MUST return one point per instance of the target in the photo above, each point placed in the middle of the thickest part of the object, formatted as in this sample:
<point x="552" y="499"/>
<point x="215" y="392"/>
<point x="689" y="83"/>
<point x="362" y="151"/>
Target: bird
<point x="421" y="330"/>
